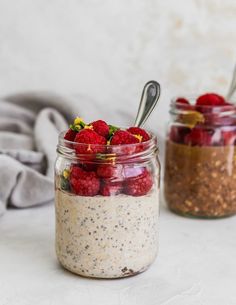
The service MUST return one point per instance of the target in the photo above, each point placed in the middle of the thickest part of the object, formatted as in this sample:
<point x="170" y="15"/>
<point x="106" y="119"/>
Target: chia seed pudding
<point x="106" y="237"/>
<point x="106" y="200"/>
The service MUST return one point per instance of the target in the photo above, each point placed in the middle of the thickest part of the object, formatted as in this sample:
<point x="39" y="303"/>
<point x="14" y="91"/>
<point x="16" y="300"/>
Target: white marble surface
<point x="196" y="265"/>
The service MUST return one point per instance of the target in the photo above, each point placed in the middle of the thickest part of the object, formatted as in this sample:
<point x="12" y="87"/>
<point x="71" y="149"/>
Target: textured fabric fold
<point x="29" y="128"/>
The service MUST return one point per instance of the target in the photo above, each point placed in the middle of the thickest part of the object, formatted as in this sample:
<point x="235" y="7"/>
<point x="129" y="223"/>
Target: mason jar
<point x="200" y="160"/>
<point x="107" y="208"/>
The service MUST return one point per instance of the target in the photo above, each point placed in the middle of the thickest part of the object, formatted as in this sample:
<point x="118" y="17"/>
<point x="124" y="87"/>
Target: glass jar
<point x="107" y="208"/>
<point x="200" y="160"/>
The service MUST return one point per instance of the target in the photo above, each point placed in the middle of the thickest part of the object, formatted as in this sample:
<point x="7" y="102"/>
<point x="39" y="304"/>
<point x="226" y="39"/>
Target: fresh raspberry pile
<point x="95" y="138"/>
<point x="92" y="176"/>
<point x="212" y="125"/>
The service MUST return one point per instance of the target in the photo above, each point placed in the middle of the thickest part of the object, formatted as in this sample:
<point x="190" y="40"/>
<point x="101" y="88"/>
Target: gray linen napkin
<point x="29" y="127"/>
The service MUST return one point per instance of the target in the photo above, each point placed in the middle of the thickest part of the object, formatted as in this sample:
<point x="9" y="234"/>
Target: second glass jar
<point x="200" y="160"/>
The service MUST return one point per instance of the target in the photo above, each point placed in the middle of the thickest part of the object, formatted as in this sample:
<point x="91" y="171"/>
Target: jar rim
<point x="153" y="138"/>
<point x="193" y="97"/>
<point x="66" y="147"/>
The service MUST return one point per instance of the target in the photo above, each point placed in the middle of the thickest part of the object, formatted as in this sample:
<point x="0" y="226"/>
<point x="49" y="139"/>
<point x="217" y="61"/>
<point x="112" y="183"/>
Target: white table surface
<point x="196" y="265"/>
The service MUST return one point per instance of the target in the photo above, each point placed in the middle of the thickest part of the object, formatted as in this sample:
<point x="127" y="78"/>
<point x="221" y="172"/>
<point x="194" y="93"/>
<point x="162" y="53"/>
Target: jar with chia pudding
<point x="200" y="159"/>
<point x="106" y="200"/>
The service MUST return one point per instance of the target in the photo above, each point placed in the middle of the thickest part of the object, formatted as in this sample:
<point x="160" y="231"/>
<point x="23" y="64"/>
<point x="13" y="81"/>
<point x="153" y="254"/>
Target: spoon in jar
<point x="150" y="96"/>
<point x="232" y="87"/>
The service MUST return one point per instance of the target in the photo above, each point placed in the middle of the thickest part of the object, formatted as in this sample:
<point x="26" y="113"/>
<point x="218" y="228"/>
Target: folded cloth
<point x="29" y="127"/>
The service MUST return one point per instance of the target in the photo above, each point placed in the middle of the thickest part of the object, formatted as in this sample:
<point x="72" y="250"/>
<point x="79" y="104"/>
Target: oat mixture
<point x="106" y="237"/>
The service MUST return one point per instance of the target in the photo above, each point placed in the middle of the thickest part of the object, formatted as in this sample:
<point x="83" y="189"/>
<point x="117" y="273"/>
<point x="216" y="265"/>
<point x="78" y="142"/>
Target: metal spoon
<point x="150" y="95"/>
<point x="232" y="87"/>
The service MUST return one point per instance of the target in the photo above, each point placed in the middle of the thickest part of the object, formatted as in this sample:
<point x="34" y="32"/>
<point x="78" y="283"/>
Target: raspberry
<point x="140" y="133"/>
<point x="178" y="133"/>
<point x="210" y="99"/>
<point x="222" y="116"/>
<point x="182" y="103"/>
<point x="84" y="183"/>
<point x="93" y="141"/>
<point x="123" y="137"/>
<point x="110" y="188"/>
<point x="70" y="135"/>
<point x="182" y="100"/>
<point x="109" y="171"/>
<point x="101" y="128"/>
<point x="229" y="137"/>
<point x="198" y="136"/>
<point x="76" y="172"/>
<point x="139" y="185"/>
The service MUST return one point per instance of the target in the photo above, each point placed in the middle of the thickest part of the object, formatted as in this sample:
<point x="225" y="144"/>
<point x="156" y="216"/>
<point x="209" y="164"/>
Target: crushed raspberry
<point x="110" y="188"/>
<point x="84" y="183"/>
<point x="139" y="185"/>
<point x="109" y="171"/>
<point x="144" y="136"/>
<point x="70" y="135"/>
<point x="91" y="139"/>
<point x="101" y="128"/>
<point x="198" y="136"/>
<point x="210" y="99"/>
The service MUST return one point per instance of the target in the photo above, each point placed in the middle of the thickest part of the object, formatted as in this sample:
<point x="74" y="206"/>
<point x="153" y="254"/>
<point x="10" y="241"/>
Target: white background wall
<point x="108" y="49"/>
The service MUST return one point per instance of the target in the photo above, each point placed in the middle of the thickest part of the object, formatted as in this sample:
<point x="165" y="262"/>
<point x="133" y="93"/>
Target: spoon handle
<point x="232" y="87"/>
<point x="150" y="95"/>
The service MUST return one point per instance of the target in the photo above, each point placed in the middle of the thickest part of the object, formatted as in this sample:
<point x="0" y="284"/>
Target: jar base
<point x="131" y="274"/>
<point x="188" y="215"/>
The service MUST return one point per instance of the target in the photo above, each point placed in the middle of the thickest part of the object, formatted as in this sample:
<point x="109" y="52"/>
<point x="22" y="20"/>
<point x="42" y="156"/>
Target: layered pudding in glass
<point x="107" y="200"/>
